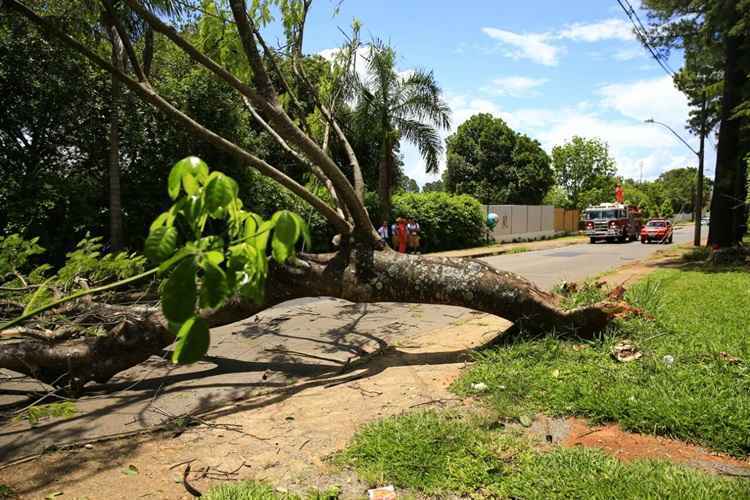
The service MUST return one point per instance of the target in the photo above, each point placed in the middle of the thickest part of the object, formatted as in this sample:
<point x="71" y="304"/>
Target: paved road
<point x="578" y="262"/>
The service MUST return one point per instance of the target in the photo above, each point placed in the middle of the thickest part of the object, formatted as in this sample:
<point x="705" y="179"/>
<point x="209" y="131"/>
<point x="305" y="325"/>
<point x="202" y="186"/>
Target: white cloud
<point x="629" y="53"/>
<point x="516" y="86"/>
<point x="656" y="98"/>
<point x="607" y="29"/>
<point x="363" y="55"/>
<point x="532" y="46"/>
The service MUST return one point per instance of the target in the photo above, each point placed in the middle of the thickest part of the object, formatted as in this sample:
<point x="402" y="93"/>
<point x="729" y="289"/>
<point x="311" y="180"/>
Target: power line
<point x="640" y="32"/>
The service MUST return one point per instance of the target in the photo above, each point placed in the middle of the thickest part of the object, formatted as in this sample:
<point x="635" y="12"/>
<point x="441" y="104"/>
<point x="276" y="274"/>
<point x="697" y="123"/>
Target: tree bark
<point x="115" y="193"/>
<point x="357" y="274"/>
<point x="724" y="205"/>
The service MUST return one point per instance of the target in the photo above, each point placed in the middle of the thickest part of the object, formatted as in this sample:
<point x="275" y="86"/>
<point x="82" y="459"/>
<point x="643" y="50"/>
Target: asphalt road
<point x="578" y="262"/>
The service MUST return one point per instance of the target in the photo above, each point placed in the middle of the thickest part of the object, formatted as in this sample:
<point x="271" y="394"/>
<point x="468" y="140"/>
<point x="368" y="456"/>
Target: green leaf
<point x="220" y="191"/>
<point x="160" y="221"/>
<point x="161" y="244"/>
<point x="215" y="287"/>
<point x="37" y="298"/>
<point x="192" y="341"/>
<point x="179" y="292"/>
<point x="181" y="254"/>
<point x="190" y="184"/>
<point x="215" y="257"/>
<point x="303" y="228"/>
<point x="195" y="167"/>
<point x="285" y="234"/>
<point x="174" y="180"/>
<point x="192" y="165"/>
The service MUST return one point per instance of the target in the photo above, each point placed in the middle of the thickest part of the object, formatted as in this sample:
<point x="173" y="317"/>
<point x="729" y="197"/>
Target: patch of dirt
<point x="281" y="436"/>
<point x="629" y="273"/>
<point x="629" y="446"/>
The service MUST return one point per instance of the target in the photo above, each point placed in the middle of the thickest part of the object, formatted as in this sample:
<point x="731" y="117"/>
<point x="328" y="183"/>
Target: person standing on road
<point x="413" y="228"/>
<point x="384" y="231"/>
<point x="403" y="234"/>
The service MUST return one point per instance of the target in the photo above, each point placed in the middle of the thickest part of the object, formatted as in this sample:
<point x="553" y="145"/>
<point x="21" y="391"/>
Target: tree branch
<point x="246" y="29"/>
<point x="124" y="39"/>
<point x="313" y="168"/>
<point x="146" y="93"/>
<point x="359" y="184"/>
<point x="281" y="123"/>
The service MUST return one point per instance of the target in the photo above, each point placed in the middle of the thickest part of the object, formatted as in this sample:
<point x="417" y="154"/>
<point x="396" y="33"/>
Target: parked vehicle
<point x="659" y="230"/>
<point x="612" y="222"/>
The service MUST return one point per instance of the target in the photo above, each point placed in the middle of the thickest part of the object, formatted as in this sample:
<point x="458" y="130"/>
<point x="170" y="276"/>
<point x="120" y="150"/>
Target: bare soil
<point x="280" y="436"/>
<point x="628" y="446"/>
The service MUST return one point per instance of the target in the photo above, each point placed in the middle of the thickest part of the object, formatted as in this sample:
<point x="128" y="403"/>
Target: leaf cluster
<point x="212" y="249"/>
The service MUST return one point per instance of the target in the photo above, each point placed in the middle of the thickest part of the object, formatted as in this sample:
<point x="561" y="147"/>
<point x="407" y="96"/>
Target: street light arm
<point x="651" y="120"/>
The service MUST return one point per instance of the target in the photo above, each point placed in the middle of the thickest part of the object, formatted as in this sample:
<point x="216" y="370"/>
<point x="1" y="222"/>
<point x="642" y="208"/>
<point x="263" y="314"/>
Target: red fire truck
<point x="612" y="222"/>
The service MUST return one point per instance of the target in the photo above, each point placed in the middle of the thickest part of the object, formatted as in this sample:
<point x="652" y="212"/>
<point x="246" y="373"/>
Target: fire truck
<point x="612" y="222"/>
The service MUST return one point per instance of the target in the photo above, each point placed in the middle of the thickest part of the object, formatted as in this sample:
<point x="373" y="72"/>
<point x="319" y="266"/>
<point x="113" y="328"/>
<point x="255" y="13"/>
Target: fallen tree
<point x="200" y="289"/>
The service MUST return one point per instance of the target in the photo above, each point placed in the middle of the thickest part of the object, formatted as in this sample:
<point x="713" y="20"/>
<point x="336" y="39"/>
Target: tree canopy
<point x="495" y="164"/>
<point x="583" y="165"/>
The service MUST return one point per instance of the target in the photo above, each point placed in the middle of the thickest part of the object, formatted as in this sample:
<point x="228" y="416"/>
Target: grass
<point x="702" y="321"/>
<point x="253" y="490"/>
<point x="518" y="250"/>
<point x="585" y="295"/>
<point x="697" y="254"/>
<point x="445" y="453"/>
<point x="34" y="414"/>
<point x="6" y="492"/>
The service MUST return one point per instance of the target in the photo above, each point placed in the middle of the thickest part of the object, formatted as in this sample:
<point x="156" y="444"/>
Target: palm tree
<point x="135" y="29"/>
<point x="400" y="107"/>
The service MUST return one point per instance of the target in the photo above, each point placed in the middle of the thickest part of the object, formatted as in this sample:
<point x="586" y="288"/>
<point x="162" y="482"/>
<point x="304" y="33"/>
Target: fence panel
<point x="534" y="218"/>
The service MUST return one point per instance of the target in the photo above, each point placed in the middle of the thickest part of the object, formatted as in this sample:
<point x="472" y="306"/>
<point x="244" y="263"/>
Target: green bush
<point x="447" y="221"/>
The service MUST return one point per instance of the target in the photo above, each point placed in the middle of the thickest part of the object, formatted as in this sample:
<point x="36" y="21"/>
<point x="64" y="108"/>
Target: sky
<point x="550" y="69"/>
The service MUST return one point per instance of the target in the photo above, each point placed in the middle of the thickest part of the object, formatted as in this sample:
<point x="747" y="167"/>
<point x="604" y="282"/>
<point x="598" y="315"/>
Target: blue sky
<point x="551" y="69"/>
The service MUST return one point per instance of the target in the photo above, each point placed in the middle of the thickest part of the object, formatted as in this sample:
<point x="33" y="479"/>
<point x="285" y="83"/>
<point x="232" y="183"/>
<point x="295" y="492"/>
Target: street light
<point x="698" y="207"/>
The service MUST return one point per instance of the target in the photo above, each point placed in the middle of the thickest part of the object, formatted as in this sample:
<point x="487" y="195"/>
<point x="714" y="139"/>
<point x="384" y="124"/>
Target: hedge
<point x="448" y="221"/>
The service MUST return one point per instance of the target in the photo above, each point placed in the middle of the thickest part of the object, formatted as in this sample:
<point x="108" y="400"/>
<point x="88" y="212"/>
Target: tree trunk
<point x="385" y="181"/>
<point x="724" y="205"/>
<point x="115" y="194"/>
<point x="355" y="274"/>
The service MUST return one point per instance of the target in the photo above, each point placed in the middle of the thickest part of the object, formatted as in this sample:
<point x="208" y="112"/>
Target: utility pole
<point x="698" y="210"/>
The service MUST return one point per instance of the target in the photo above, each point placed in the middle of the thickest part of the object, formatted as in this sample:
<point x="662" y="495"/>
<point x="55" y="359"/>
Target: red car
<point x="659" y="230"/>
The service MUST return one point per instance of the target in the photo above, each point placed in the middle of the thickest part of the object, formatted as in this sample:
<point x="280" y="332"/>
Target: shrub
<point x="447" y="221"/>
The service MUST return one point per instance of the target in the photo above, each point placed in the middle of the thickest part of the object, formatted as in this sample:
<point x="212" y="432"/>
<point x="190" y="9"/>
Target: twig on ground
<point x="186" y="462"/>
<point x="589" y="432"/>
<point x="435" y="401"/>
<point x="188" y="488"/>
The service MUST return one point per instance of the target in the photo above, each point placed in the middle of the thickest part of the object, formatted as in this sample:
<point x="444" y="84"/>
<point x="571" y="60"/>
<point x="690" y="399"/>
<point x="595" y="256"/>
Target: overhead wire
<point x="641" y="33"/>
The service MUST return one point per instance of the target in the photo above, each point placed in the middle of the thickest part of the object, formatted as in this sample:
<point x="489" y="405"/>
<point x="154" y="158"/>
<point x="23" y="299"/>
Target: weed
<point x="253" y="490"/>
<point x="428" y="451"/>
<point x="584" y="295"/>
<point x="700" y="321"/>
<point x="697" y="254"/>
<point x="34" y="414"/>
<point x="645" y="295"/>
<point x="518" y="250"/>
<point x="442" y="454"/>
<point x="6" y="492"/>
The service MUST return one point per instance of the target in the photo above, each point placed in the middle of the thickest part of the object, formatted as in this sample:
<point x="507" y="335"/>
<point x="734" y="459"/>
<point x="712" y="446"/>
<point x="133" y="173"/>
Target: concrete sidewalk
<point x="502" y="248"/>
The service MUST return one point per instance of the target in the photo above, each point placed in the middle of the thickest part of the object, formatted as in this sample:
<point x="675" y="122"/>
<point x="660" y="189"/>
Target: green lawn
<point x="440" y="453"/>
<point x="702" y="322"/>
<point x="253" y="490"/>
